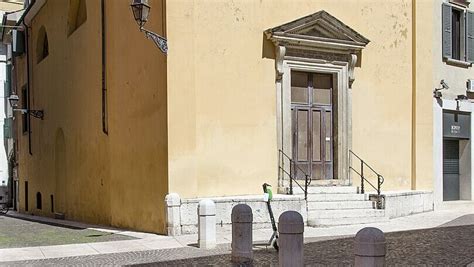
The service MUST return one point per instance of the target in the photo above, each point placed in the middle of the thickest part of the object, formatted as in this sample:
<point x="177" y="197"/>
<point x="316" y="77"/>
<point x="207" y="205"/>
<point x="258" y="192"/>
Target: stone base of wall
<point x="403" y="203"/>
<point x="188" y="218"/>
<point x="182" y="215"/>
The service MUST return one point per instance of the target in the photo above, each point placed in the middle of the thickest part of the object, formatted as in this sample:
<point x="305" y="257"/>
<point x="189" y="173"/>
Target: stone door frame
<point x="341" y="78"/>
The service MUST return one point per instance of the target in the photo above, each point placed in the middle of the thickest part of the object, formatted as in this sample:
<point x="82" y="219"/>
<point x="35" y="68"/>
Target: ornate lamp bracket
<point x="159" y="41"/>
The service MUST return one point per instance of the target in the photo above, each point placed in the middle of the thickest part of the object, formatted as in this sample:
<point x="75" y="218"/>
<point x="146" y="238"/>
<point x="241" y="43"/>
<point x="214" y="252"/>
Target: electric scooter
<point x="268" y="195"/>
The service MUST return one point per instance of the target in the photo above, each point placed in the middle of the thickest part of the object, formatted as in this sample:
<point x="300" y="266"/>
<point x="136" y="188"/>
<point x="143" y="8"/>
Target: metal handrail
<point x="380" y="178"/>
<point x="290" y="175"/>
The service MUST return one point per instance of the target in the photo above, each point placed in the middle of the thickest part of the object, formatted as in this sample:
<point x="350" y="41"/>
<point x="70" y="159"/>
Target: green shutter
<point x="8" y="80"/>
<point x="470" y="36"/>
<point x="447" y="32"/>
<point x="18" y="46"/>
<point x="8" y="128"/>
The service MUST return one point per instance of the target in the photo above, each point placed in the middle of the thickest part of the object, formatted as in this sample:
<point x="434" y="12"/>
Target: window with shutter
<point x="447" y="31"/>
<point x="7" y="84"/>
<point x="470" y="36"/>
<point x="457" y="35"/>
<point x="8" y="128"/>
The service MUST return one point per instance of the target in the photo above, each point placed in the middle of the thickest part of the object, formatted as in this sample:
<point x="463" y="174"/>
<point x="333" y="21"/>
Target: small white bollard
<point x="207" y="224"/>
<point x="369" y="247"/>
<point x="290" y="239"/>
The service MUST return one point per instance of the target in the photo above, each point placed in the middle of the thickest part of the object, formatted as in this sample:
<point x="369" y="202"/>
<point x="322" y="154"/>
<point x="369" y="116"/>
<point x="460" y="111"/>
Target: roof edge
<point x="31" y="12"/>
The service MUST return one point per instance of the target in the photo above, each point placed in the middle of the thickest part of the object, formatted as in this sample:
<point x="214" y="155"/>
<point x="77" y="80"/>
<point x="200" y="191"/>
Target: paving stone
<point x="18" y="233"/>
<point x="445" y="246"/>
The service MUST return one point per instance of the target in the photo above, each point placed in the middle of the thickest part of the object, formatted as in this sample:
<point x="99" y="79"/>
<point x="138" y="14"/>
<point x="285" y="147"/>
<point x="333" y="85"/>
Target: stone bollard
<point x="290" y="240"/>
<point x="370" y="247"/>
<point x="207" y="224"/>
<point x="173" y="219"/>
<point x="242" y="218"/>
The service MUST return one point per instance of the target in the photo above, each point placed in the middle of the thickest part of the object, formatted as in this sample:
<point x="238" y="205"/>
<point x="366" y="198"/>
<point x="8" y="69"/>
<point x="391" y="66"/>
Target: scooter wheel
<point x="275" y="244"/>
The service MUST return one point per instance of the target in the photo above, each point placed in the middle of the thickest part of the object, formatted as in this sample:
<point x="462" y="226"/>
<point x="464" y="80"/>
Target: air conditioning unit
<point x="470" y="85"/>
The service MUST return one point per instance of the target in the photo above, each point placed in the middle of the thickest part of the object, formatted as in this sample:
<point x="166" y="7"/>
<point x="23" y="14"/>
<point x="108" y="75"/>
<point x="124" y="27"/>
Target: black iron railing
<point x="364" y="166"/>
<point x="292" y="174"/>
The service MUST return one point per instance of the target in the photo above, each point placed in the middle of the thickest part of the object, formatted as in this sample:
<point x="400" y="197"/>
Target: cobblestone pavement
<point x="15" y="233"/>
<point x="446" y="246"/>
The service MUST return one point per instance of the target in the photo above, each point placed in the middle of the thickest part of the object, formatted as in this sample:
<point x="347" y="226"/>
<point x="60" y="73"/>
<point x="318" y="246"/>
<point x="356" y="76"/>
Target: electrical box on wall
<point x="470" y="85"/>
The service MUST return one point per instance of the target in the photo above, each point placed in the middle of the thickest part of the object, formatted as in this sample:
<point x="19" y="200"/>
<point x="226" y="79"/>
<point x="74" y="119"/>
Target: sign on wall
<point x="456" y="125"/>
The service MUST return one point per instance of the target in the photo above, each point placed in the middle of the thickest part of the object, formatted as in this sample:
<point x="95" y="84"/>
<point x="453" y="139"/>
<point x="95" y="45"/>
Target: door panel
<point x="302" y="137"/>
<point x="312" y="124"/>
<point x="301" y="141"/>
<point x="316" y="135"/>
<point x="328" y="145"/>
<point x="312" y="139"/>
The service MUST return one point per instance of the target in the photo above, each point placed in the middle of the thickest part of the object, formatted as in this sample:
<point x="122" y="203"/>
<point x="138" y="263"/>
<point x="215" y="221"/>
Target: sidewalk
<point x="451" y="214"/>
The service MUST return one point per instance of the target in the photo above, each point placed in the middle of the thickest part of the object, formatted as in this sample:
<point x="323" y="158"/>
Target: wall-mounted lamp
<point x="14" y="99"/>
<point x="444" y="86"/>
<point x="141" y="10"/>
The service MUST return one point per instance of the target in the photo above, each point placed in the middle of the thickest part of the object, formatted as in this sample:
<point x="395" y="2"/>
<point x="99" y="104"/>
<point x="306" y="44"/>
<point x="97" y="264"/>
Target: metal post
<point x="281" y="166"/>
<point x="291" y="178"/>
<point x="362" y="191"/>
<point x="242" y="218"/>
<point x="291" y="228"/>
<point x="369" y="248"/>
<point x="306" y="187"/>
<point x="378" y="185"/>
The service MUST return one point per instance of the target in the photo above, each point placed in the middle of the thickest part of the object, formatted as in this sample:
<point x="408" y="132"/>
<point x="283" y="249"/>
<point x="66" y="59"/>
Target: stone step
<point x="339" y="205"/>
<point x="327" y="190"/>
<point x="337" y="197"/>
<point x="345" y="221"/>
<point x="342" y="214"/>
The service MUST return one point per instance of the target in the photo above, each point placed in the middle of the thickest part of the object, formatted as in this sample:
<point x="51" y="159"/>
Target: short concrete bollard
<point x="207" y="224"/>
<point x="173" y="220"/>
<point x="242" y="218"/>
<point x="370" y="247"/>
<point x="290" y="240"/>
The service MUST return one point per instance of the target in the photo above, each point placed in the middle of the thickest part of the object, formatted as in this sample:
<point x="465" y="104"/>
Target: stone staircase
<point x="340" y="205"/>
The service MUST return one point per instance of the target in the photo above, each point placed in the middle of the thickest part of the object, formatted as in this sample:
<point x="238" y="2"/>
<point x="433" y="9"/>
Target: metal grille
<point x="451" y="157"/>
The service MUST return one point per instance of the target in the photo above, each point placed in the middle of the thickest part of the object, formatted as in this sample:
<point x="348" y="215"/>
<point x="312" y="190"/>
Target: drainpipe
<point x="28" y="82"/>
<point x="105" y="126"/>
<point x="28" y="5"/>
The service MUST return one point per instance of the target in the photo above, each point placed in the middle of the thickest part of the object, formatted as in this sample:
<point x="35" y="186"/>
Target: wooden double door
<point x="312" y="125"/>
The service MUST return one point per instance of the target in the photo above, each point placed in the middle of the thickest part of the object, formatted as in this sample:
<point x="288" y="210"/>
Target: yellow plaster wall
<point x="221" y="84"/>
<point x="427" y="41"/>
<point x="137" y="118"/>
<point x="117" y="179"/>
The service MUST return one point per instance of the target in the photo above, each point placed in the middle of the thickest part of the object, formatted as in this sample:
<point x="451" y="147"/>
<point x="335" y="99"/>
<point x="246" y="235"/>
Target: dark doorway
<point x="39" y="201"/>
<point x="312" y="97"/>
<point x="52" y="204"/>
<point x="26" y="195"/>
<point x="450" y="170"/>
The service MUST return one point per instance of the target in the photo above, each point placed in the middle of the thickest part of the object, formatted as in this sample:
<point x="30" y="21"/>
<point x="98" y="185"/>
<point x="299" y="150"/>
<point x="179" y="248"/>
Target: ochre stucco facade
<point x="221" y="71"/>
<point x="202" y="121"/>
<point x="119" y="178"/>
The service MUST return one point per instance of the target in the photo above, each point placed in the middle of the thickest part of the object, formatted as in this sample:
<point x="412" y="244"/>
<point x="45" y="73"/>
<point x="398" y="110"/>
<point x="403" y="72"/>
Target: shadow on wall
<point x="268" y="49"/>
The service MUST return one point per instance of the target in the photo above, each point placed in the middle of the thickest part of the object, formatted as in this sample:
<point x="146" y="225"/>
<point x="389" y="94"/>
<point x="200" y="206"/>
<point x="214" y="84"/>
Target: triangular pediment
<point x="320" y="27"/>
